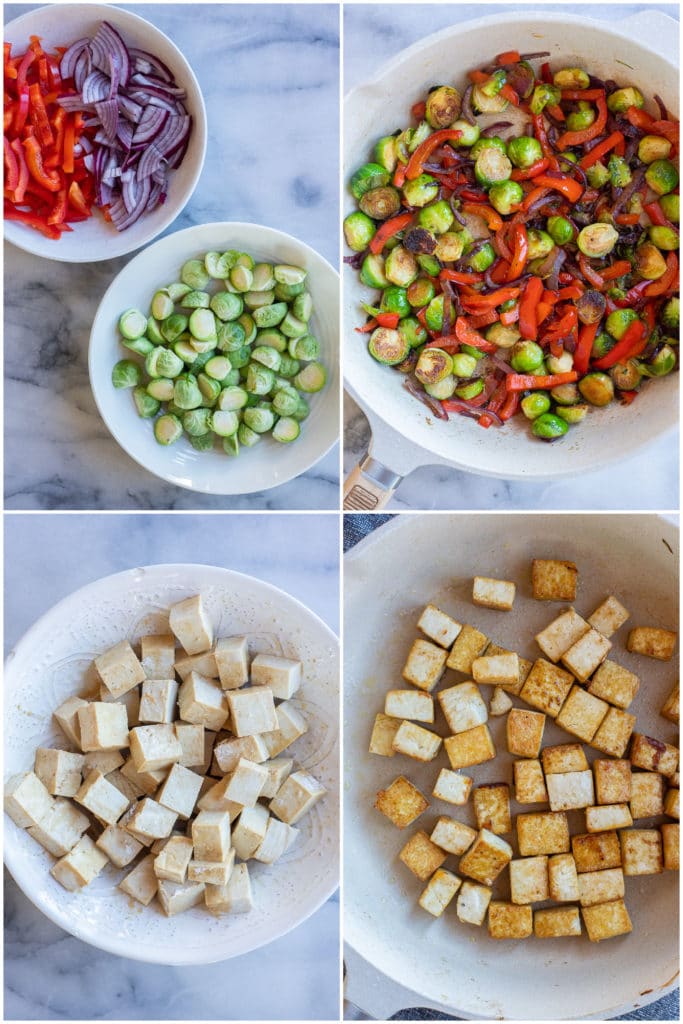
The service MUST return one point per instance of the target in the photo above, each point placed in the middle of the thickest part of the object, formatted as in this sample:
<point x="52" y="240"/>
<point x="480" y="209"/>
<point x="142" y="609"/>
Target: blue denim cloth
<point x="358" y="524"/>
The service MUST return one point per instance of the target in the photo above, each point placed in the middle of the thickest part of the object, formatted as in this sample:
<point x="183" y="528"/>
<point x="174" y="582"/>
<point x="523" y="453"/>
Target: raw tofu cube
<point x="232" y="661"/>
<point x="473" y="902"/>
<point x="190" y="624"/>
<point x="253" y="711"/>
<point x="438" y="626"/>
<point x="525" y="732"/>
<point x="130" y="701"/>
<point x="250" y="831"/>
<point x="613" y="735"/>
<point x="278" y="770"/>
<point x="557" y="922"/>
<point x="613" y="784"/>
<point x="562" y="633"/>
<point x="545" y="832"/>
<point x="463" y="707"/>
<point x="229" y="752"/>
<point x="211" y="872"/>
<point x="570" y="791"/>
<point x="525" y="667"/>
<point x="486" y="858"/>
<point x="66" y="717"/>
<point x="412" y="704"/>
<point x="672" y="804"/>
<point x="80" y="865"/>
<point x="158" y="700"/>
<point x="203" y="664"/>
<point x="154" y="747"/>
<point x="566" y="757"/>
<point x="233" y="898"/>
<point x="176" y="898"/>
<point x="606" y="920"/>
<point x="141" y="884"/>
<point x="414" y="741"/>
<point x="647" y="794"/>
<point x="120" y="846"/>
<point x="469" y="645"/>
<point x="453" y="836"/>
<point x="653" y="755"/>
<point x="211" y="835"/>
<point x="291" y="724"/>
<point x="586" y="654"/>
<point x="103" y="761"/>
<point x="246" y="782"/>
<point x="492" y="807"/>
<point x="546" y="687"/>
<point x="529" y="880"/>
<point x="180" y="791"/>
<point x="202" y="702"/>
<point x="468" y="748"/>
<point x="507" y="921"/>
<point x="282" y="675"/>
<point x="653" y="642"/>
<point x="158" y="656"/>
<point x="671" y="706"/>
<point x="582" y="714"/>
<point x="103" y="726"/>
<point x="609" y="616"/>
<point x="277" y="840"/>
<point x="144" y="782"/>
<point x="596" y="852"/>
<point x="60" y="829"/>
<point x="59" y="771"/>
<point x="497" y="669"/>
<point x="563" y="878"/>
<point x="425" y="665"/>
<point x="440" y="890"/>
<point x="298" y="794"/>
<point x="614" y="684"/>
<point x="670" y="837"/>
<point x="452" y="787"/>
<point x="151" y="820"/>
<point x="214" y="799"/>
<point x="553" y="580"/>
<point x="601" y="886"/>
<point x="383" y="732"/>
<point x="530" y="785"/>
<point x="191" y="739"/>
<point x="421" y="856"/>
<point x="500" y="703"/>
<point x="489" y="593"/>
<point x="119" y="669"/>
<point x="641" y="851"/>
<point x="608" y="817"/>
<point x="27" y="801"/>
<point x="105" y="801"/>
<point x="172" y="861"/>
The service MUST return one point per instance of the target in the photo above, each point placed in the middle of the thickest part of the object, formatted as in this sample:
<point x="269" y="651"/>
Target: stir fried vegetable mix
<point x="524" y="239"/>
<point x="225" y="354"/>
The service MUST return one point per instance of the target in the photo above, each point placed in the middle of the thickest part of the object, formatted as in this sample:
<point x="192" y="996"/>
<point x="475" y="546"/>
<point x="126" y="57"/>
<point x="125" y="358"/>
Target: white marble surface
<point x="263" y="69"/>
<point x="372" y="35"/>
<point x="48" y="974"/>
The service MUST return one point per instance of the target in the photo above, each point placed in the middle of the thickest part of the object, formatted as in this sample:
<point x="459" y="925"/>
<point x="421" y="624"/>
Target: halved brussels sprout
<point x="380" y="203"/>
<point x="597" y="388"/>
<point x="401" y="267"/>
<point x="622" y="99"/>
<point x="572" y="413"/>
<point x="492" y="166"/>
<point x="524" y="151"/>
<point x="662" y="177"/>
<point x="421" y="190"/>
<point x="368" y="176"/>
<point x="469" y="134"/>
<point x="395" y="300"/>
<point x="540" y="243"/>
<point x="649" y="262"/>
<point x="580" y="119"/>
<point x="597" y="240"/>
<point x="626" y="376"/>
<point x="450" y="246"/>
<point x="560" y="230"/>
<point x="504" y="195"/>
<point x="482" y="259"/>
<point x="436" y="218"/>
<point x="484" y="104"/>
<point x="662" y="363"/>
<point x="571" y="78"/>
<point x="386" y="154"/>
<point x="126" y="374"/>
<point x="671" y="207"/>
<point x="619" y="321"/>
<point x="549" y="427"/>
<point x="653" y="147"/>
<point x="663" y="237"/>
<point x="526" y="356"/>
<point x="443" y="106"/>
<point x="372" y="272"/>
<point x="388" y="346"/>
<point x="535" y="404"/>
<point x="503" y="337"/>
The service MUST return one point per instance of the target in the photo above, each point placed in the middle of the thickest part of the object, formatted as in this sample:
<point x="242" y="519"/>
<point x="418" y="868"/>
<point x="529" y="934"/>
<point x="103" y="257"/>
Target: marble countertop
<point x="264" y="164"/>
<point x="48" y="974"/>
<point x="374" y="33"/>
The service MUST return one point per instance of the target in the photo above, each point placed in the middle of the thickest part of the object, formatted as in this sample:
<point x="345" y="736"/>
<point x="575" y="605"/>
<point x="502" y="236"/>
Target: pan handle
<point x="369" y="486"/>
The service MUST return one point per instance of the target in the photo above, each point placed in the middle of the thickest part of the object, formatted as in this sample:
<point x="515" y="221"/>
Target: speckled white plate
<point x="53" y="661"/>
<point x="268" y="463"/>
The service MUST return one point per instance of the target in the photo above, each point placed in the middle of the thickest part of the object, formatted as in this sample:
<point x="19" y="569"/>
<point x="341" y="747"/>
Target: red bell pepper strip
<point x="536" y="193"/>
<point x="426" y="148"/>
<point x="499" y="271"/>
<point x="20" y="190"/>
<point x="564" y="326"/>
<point x="520" y="251"/>
<point x="38" y="115"/>
<point x="11" y="166"/>
<point x="388" y="319"/>
<point x="33" y="220"/>
<point x="587" y="134"/>
<point x="59" y="210"/>
<point x="418" y="110"/>
<point x="546" y="73"/>
<point x="510" y="316"/>
<point x="597" y="152"/>
<point x="510" y="95"/>
<point x="618" y="269"/>
<point x="627" y="218"/>
<point x="632" y="343"/>
<point x="80" y="203"/>
<point x="667" y="280"/>
<point x="626" y="397"/>
<point x="641" y="119"/>
<point x="543" y="310"/>
<point x="367" y="327"/>
<point x="508" y="57"/>
<point x="590" y="275"/>
<point x="556" y="112"/>
<point x="69" y="142"/>
<point x="493" y="219"/>
<point x="388" y="229"/>
<point x="461" y="276"/>
<point x="656" y="214"/>
<point x="467" y="335"/>
<point x="399" y="178"/>
<point x="572" y="291"/>
<point x="524" y="382"/>
<point x="496" y="298"/>
<point x="527" y="308"/>
<point x="510" y="406"/>
<point x="541" y="134"/>
<point x="584" y="347"/>
<point x="569" y="187"/>
<point x="525" y="173"/>
<point x="582" y="94"/>
<point x="34" y="158"/>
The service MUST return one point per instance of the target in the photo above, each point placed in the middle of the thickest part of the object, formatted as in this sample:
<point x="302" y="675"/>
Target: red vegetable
<point x="467" y="335"/>
<point x="587" y="134"/>
<point x="388" y="229"/>
<point x="388" y="319"/>
<point x="616" y="139"/>
<point x="524" y="382"/>
<point x="426" y="148"/>
<point x="493" y="219"/>
<point x="524" y="174"/>
<point x="569" y="187"/>
<point x="631" y="344"/>
<point x="520" y="250"/>
<point x="584" y="347"/>
<point x="527" y="308"/>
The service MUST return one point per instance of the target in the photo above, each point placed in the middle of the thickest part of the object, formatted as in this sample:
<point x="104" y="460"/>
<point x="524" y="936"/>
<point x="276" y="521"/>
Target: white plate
<point x="53" y="661"/>
<point x="95" y="239"/>
<point x="269" y="463"/>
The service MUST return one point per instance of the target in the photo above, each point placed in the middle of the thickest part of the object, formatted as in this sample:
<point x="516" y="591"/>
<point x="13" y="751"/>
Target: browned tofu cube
<point x="652" y="642"/>
<point x="596" y="851"/>
<point x="546" y="687"/>
<point x="670" y="846"/>
<point x="582" y="714"/>
<point x="557" y="922"/>
<point x="463" y="707"/>
<point x="525" y="732"/>
<point x="425" y="665"/>
<point x="438" y="626"/>
<point x="609" y="616"/>
<point x="440" y="890"/>
<point x="529" y="880"/>
<point x="612" y="781"/>
<point x="490" y="593"/>
<point x="472" y="747"/>
<point x="530" y="785"/>
<point x="564" y="758"/>
<point x="601" y="886"/>
<point x="647" y="794"/>
<point x="469" y="644"/>
<point x="401" y="802"/>
<point x="545" y="832"/>
<point x="486" y="858"/>
<point x="586" y="654"/>
<point x="671" y="706"/>
<point x="453" y="836"/>
<point x="641" y="851"/>
<point x="553" y="580"/>
<point x="614" y="733"/>
<point x="562" y="632"/>
<point x="653" y="755"/>
<point x="606" y="920"/>
<point x="416" y="742"/>
<point x="421" y="856"/>
<point x="672" y="804"/>
<point x="492" y="807"/>
<point x="614" y="684"/>
<point x="383" y="733"/>
<point x="525" y="667"/>
<point x="563" y="878"/>
<point x="507" y="921"/>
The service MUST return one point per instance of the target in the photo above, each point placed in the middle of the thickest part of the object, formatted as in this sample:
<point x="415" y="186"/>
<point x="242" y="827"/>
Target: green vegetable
<point x="386" y="154"/>
<point x="434" y="314"/>
<point x="543" y="96"/>
<point x="367" y="177"/>
<point x="194" y="275"/>
<point x="524" y="151"/>
<point x="401" y="267"/>
<point x="197" y="422"/>
<point x="622" y="99"/>
<point x="442" y="389"/>
<point x="162" y="305"/>
<point x="463" y="366"/>
<point x="661" y="364"/>
<point x="312" y="378"/>
<point x="482" y="259"/>
<point x="597" y="240"/>
<point x="126" y="374"/>
<point x="484" y="104"/>
<point x="671" y="207"/>
<point x="437" y="217"/>
<point x="167" y="429"/>
<point x="388" y="346"/>
<point x="492" y="166"/>
<point x="626" y="376"/>
<point x="619" y="171"/>
<point x="560" y="230"/>
<point x="572" y="413"/>
<point x="372" y="272"/>
<point x="488" y="142"/>
<point x="286" y="429"/>
<point x="597" y="175"/>
<point x="421" y="190"/>
<point x="571" y="78"/>
<point x="597" y="388"/>
<point x="433" y="365"/>
<point x="132" y="324"/>
<point x="196" y="300"/>
<point x="649" y="261"/>
<point x="449" y="246"/>
<point x="540" y="243"/>
<point x="380" y="203"/>
<point x="579" y="120"/>
<point x="653" y="147"/>
<point x="535" y="404"/>
<point x="619" y="321"/>
<point x="420" y="293"/>
<point x="549" y="427"/>
<point x="526" y="356"/>
<point x="503" y="337"/>
<point x="504" y="195"/>
<point x="670" y="314"/>
<point x="395" y="300"/>
<point x="226" y="305"/>
<point x="443" y="107"/>
<point x="663" y="237"/>
<point x="470" y="134"/>
<point x="470" y="390"/>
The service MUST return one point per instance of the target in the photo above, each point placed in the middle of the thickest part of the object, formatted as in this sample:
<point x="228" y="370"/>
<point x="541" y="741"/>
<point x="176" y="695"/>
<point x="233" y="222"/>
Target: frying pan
<point x="389" y="577"/>
<point x="640" y="50"/>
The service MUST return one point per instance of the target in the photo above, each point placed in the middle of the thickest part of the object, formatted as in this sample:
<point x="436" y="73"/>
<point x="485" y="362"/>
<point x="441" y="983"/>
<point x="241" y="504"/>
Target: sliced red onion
<point x="108" y="113"/>
<point x="149" y="162"/>
<point x="493" y="129"/>
<point x="82" y="69"/>
<point x="467" y="108"/>
<point x="114" y="74"/>
<point x="157" y="83"/>
<point x="417" y="392"/>
<point x="501" y="364"/>
<point x="72" y="104"/>
<point x="124" y="133"/>
<point x="67" y="64"/>
<point x="147" y="62"/>
<point x="150" y="124"/>
<point x="123" y="218"/>
<point x="95" y="87"/>
<point x="107" y="41"/>
<point x="130" y="109"/>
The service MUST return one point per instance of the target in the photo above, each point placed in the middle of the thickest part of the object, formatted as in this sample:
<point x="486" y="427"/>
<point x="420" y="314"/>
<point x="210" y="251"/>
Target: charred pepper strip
<point x="388" y="229"/>
<point x="631" y="344"/>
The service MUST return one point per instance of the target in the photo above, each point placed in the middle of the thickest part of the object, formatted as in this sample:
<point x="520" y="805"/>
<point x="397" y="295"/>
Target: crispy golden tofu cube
<point x="472" y="747"/>
<point x="606" y="920"/>
<point x="601" y="886"/>
<point x="453" y="836"/>
<point x="561" y="634"/>
<point x="563" y="878"/>
<point x="565" y="757"/>
<point x="641" y="851"/>
<point x="582" y="714"/>
<point x="507" y="921"/>
<point x="554" y="580"/>
<point x="525" y="667"/>
<point x="401" y="802"/>
<point x="452" y="787"/>
<point x="525" y="732"/>
<point x="416" y="742"/>
<point x="438" y="626"/>
<point x="492" y="807"/>
<point x="529" y="880"/>
<point x="473" y="902"/>
<point x="440" y="890"/>
<point x="530" y="785"/>
<point x="670" y="846"/>
<point x="652" y="642"/>
<point x="486" y="858"/>
<point x="469" y="645"/>
<point x="411" y="704"/>
<point x="463" y="707"/>
<point x="546" y="687"/>
<point x="421" y="856"/>
<point x="570" y="791"/>
<point x="671" y="706"/>
<point x="557" y="922"/>
<point x="614" y="684"/>
<point x="496" y="670"/>
<point x="672" y="804"/>
<point x="614" y="733"/>
<point x="612" y="781"/>
<point x="490" y="593"/>
<point x="545" y="832"/>
<point x="425" y="665"/>
<point x="586" y="654"/>
<point x="653" y="755"/>
<point x="383" y="732"/>
<point x="607" y="817"/>
<point x="647" y="794"/>
<point x="596" y="851"/>
<point x="609" y="616"/>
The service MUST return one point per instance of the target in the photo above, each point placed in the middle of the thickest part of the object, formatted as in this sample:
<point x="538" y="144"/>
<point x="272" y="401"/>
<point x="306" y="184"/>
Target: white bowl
<point x="95" y="239"/>
<point x="269" y="463"/>
<point x="53" y="662"/>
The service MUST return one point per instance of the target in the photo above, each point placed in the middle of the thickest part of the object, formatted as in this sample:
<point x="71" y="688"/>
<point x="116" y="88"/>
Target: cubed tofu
<point x="246" y="782"/>
<point x="463" y="707"/>
<point x="469" y="645"/>
<point x="102" y="799"/>
<point x="176" y="898"/>
<point x="609" y="616"/>
<point x="584" y="656"/>
<point x="670" y="847"/>
<point x="250" y="831"/>
<point x="671" y="706"/>
<point x="130" y="701"/>
<point x="299" y="793"/>
<point x="565" y="757"/>
<point x="473" y="902"/>
<point x="486" y="858"/>
<point x="557" y="922"/>
<point x="544" y="832"/>
<point x="190" y="623"/>
<point x="652" y="642"/>
<point x="291" y="724"/>
<point x="440" y="890"/>
<point x="157" y="656"/>
<point x="596" y="851"/>
<point x="214" y="799"/>
<point x="416" y="742"/>
<point x="253" y="711"/>
<point x="641" y="851"/>
<point x="59" y="771"/>
<point x="601" y="886"/>
<point x="556" y="639"/>
<point x="491" y="593"/>
<point x="66" y="717"/>
<point x="608" y="817"/>
<point x="425" y="665"/>
<point x="383" y="733"/>
<point x="211" y="835"/>
<point x="103" y="726"/>
<point x="507" y="921"/>
<point x="232" y="661"/>
<point x="210" y="872"/>
<point x="180" y="791"/>
<point x="553" y="580"/>
<point x="614" y="733"/>
<point x="453" y="836"/>
<point x="570" y="790"/>
<point x="228" y="752"/>
<point x="171" y="862"/>
<point x="546" y="687"/>
<point x="500" y="703"/>
<point x="278" y="770"/>
<point x="582" y="714"/>
<point x="496" y="670"/>
<point x="452" y="787"/>
<point x="529" y="880"/>
<point x="191" y="739"/>
<point x="119" y="846"/>
<point x="59" y="830"/>
<point x="647" y="794"/>
<point x="614" y="684"/>
<point x="103" y="761"/>
<point x="153" y="747"/>
<point x="204" y="664"/>
<point x="525" y="667"/>
<point x="151" y="820"/>
<point x="146" y="781"/>
<point x="672" y="804"/>
<point x="530" y="785"/>
<point x="277" y="840"/>
<point x="606" y="920"/>
<point x="141" y="884"/>
<point x="492" y="807"/>
<point x="468" y="748"/>
<point x="524" y="730"/>
<point x="119" y="669"/>
<point x="438" y="626"/>
<point x="233" y="898"/>
<point x="203" y="702"/>
<point x="653" y="755"/>
<point x="563" y="878"/>
<point x="27" y="801"/>
<point x="80" y="865"/>
<point x="409" y="704"/>
<point x="613" y="784"/>
<point x="282" y="675"/>
<point x="158" y="700"/>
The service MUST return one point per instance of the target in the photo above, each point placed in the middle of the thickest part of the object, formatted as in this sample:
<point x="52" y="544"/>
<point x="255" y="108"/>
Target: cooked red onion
<point x="417" y="392"/>
<point x="467" y="110"/>
<point x="492" y="129"/>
